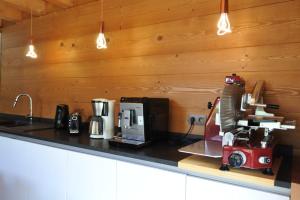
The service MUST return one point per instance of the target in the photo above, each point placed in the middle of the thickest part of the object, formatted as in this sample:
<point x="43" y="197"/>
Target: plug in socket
<point x="199" y="119"/>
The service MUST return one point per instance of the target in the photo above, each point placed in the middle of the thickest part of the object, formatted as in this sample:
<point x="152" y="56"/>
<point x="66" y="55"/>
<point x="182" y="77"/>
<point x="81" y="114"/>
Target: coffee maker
<point x="102" y="122"/>
<point x="142" y="120"/>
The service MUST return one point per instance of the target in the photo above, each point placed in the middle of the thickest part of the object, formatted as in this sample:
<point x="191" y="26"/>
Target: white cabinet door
<point x="46" y="171"/>
<point x="136" y="182"/>
<point x="31" y="172"/>
<point x="198" y="188"/>
<point x="91" y="177"/>
<point x="13" y="183"/>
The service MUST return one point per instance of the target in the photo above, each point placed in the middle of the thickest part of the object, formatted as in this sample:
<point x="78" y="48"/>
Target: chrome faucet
<point x="29" y="116"/>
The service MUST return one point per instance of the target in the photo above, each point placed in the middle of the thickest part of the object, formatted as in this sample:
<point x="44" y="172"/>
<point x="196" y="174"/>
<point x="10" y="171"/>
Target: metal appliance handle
<point x="105" y="109"/>
<point x="101" y="126"/>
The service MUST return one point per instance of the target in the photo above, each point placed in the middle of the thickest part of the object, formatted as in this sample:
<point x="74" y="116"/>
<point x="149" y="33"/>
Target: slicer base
<point x="224" y="168"/>
<point x="268" y="171"/>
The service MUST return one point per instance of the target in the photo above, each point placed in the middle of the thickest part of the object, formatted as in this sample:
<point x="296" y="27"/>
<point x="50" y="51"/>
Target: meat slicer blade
<point x="230" y="107"/>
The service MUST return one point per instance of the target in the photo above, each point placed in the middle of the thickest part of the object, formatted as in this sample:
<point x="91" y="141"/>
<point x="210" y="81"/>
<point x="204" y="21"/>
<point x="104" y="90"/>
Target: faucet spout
<point x="14" y="105"/>
<point x="30" y="104"/>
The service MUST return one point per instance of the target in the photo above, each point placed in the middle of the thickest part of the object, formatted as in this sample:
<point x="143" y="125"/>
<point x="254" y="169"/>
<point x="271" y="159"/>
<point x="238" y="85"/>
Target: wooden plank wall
<point x="156" y="48"/>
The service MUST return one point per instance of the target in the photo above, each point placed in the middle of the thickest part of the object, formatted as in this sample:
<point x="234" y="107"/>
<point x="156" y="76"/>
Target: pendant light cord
<point x="101" y="17"/>
<point x="31" y="25"/>
<point x="224" y="6"/>
<point x="101" y="9"/>
<point x="121" y="13"/>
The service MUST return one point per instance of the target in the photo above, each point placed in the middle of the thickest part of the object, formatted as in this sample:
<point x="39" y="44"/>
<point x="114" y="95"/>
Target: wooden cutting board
<point x="295" y="193"/>
<point x="210" y="166"/>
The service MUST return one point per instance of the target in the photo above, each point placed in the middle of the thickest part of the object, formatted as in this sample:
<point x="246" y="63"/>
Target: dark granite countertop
<point x="164" y="152"/>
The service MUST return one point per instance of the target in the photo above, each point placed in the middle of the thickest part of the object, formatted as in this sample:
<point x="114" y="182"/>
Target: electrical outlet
<point x="199" y="119"/>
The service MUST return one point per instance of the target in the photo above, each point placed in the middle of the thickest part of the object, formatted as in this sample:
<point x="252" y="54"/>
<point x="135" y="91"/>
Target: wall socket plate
<point x="199" y="119"/>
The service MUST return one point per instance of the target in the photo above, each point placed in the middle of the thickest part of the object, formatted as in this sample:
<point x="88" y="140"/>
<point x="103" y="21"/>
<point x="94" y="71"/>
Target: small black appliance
<point x="74" y="123"/>
<point x="61" y="116"/>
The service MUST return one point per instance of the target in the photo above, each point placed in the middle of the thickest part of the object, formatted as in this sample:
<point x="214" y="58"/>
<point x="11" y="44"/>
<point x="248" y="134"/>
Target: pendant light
<point x="101" y="41"/>
<point x="31" y="51"/>
<point x="223" y="23"/>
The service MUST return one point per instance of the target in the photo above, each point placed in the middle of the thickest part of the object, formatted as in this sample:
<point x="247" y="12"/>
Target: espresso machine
<point x="102" y="122"/>
<point x="142" y="120"/>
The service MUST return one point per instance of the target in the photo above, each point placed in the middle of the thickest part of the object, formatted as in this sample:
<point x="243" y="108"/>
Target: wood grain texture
<point x="9" y="13"/>
<point x="210" y="166"/>
<point x="37" y="6"/>
<point x="295" y="188"/>
<point x="123" y="15"/>
<point x="157" y="49"/>
<point x="166" y="38"/>
<point x="16" y="10"/>
<point x="62" y="3"/>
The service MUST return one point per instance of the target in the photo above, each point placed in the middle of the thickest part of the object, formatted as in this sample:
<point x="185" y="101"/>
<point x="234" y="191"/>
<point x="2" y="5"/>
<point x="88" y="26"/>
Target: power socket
<point x="199" y="119"/>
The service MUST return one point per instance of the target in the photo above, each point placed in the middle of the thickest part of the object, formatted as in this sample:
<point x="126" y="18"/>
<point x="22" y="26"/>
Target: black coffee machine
<point x="142" y="120"/>
<point x="61" y="116"/>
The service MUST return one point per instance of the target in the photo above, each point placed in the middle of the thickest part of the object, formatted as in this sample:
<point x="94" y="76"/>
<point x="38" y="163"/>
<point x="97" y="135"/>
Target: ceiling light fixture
<point x="223" y="23"/>
<point x="101" y="41"/>
<point x="31" y="50"/>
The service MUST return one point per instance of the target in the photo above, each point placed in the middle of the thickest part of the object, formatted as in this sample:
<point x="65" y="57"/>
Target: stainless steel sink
<point x="12" y="123"/>
<point x="24" y="126"/>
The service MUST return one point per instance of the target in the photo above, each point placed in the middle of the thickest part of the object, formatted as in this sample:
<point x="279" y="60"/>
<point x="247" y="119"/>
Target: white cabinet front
<point x="90" y="177"/>
<point x="198" y="188"/>
<point x="30" y="171"/>
<point x="136" y="182"/>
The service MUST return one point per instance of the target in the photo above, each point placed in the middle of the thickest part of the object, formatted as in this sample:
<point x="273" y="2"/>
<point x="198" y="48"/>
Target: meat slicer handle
<point x="272" y="106"/>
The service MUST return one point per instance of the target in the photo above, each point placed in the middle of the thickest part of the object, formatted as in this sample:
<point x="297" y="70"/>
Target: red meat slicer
<point x="233" y="130"/>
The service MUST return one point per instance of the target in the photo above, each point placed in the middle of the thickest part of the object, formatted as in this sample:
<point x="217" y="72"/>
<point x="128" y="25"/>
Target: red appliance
<point x="238" y="129"/>
<point x="236" y="125"/>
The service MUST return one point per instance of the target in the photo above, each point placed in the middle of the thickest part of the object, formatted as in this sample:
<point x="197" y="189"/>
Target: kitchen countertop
<point x="163" y="154"/>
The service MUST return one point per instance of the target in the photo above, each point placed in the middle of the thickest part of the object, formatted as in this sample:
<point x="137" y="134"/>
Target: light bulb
<point x="101" y="41"/>
<point x="31" y="52"/>
<point x="223" y="24"/>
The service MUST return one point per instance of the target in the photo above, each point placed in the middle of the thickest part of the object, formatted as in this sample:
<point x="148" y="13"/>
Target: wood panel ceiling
<point x="12" y="11"/>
